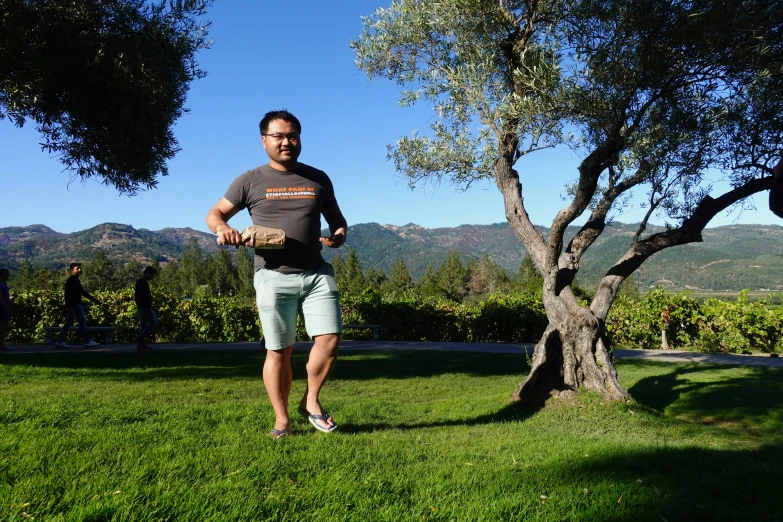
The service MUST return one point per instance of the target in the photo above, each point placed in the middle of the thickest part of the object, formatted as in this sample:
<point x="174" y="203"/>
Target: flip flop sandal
<point x="315" y="419"/>
<point x="306" y="414"/>
<point x="278" y="434"/>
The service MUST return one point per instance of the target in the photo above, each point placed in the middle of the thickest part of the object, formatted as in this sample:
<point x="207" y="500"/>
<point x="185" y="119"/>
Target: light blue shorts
<point x="282" y="297"/>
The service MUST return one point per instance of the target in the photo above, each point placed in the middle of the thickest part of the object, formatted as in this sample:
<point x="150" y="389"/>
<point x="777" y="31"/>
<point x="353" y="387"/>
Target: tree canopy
<point x="103" y="80"/>
<point x="653" y="95"/>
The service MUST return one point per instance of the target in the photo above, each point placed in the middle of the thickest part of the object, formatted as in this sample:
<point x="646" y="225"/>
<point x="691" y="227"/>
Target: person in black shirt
<point x="74" y="310"/>
<point x="143" y="298"/>
<point x="776" y="194"/>
<point x="5" y="308"/>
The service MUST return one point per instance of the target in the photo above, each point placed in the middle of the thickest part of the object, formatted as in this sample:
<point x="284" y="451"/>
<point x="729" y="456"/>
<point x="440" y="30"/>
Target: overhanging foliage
<point x="103" y="80"/>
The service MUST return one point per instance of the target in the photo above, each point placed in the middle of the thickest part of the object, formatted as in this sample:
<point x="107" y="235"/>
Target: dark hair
<point x="148" y="270"/>
<point x="73" y="265"/>
<point x="279" y="115"/>
<point x="4" y="271"/>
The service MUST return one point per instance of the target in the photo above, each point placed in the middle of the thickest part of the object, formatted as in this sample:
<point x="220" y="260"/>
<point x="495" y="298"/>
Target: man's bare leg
<point x="277" y="381"/>
<point x="323" y="355"/>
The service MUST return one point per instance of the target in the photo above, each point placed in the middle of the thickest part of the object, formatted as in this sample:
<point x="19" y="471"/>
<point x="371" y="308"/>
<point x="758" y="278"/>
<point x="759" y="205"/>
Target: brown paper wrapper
<point x="256" y="236"/>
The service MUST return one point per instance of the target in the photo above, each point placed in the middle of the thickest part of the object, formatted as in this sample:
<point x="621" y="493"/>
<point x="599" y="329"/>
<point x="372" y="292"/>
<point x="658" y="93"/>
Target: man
<point x="74" y="310"/>
<point x="5" y="308"/>
<point x="776" y="194"/>
<point x="143" y="298"/>
<point x="292" y="196"/>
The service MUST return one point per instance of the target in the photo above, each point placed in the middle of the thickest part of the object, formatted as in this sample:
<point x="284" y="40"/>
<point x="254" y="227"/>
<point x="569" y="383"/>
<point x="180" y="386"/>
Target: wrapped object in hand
<point x="257" y="236"/>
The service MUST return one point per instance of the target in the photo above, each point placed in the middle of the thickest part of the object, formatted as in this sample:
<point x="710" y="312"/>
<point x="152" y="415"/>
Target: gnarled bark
<point x="573" y="353"/>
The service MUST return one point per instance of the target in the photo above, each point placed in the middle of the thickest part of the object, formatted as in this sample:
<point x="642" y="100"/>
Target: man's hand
<point x="228" y="236"/>
<point x="217" y="221"/>
<point x="334" y="241"/>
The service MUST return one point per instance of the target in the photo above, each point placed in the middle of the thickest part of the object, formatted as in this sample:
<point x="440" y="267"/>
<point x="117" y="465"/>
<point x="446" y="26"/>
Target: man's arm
<point x="87" y="294"/>
<point x="338" y="227"/>
<point x="217" y="221"/>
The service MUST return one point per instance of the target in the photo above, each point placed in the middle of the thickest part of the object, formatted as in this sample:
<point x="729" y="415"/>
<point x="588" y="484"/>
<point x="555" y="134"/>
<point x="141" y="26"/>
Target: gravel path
<point x="520" y="348"/>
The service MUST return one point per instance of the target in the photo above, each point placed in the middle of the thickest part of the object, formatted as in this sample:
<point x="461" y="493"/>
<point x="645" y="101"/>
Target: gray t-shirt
<point x="292" y="201"/>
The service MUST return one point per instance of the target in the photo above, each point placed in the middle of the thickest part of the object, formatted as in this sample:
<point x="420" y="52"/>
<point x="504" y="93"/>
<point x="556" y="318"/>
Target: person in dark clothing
<point x="74" y="310"/>
<point x="776" y="194"/>
<point x="5" y="308"/>
<point x="143" y="298"/>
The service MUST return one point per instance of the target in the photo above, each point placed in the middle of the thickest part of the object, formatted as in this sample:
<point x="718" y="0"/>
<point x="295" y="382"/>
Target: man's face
<point x="77" y="270"/>
<point x="282" y="142"/>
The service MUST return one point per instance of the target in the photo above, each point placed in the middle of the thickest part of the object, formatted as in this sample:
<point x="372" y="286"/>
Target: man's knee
<point x="279" y="356"/>
<point x="327" y="342"/>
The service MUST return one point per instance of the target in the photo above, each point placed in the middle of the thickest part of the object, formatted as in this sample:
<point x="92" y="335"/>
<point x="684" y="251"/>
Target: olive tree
<point x="103" y="80"/>
<point x="652" y="95"/>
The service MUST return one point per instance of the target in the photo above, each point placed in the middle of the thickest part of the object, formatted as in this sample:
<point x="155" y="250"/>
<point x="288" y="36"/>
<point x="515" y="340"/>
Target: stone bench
<point x="51" y="331"/>
<point x="376" y="329"/>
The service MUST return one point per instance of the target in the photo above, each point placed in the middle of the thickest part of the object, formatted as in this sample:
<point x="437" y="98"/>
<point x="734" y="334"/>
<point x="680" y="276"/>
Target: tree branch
<point x="589" y="173"/>
<point x="688" y="232"/>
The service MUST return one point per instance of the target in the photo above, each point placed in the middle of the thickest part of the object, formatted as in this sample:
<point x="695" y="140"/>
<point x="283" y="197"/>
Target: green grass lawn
<point x="423" y="436"/>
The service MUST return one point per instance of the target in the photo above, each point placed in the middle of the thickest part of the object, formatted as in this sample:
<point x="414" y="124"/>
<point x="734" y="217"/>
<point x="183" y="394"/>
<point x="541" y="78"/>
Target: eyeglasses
<point x="278" y="136"/>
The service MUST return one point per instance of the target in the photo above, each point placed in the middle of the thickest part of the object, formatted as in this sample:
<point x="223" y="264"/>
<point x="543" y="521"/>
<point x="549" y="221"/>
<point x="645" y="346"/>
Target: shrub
<point x="509" y="319"/>
<point x="715" y="326"/>
<point x="202" y="320"/>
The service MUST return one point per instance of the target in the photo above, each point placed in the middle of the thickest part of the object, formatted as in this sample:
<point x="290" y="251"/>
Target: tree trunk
<point x="573" y="353"/>
<point x="664" y="341"/>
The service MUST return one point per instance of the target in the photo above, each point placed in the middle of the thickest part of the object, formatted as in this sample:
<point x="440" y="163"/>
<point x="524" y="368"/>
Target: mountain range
<point x="730" y="257"/>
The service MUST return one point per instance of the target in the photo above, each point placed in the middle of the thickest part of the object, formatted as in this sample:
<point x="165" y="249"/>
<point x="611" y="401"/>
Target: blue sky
<point x="270" y="55"/>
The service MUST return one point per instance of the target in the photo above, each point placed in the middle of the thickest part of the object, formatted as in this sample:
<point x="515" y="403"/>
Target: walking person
<point x="5" y="308"/>
<point x="291" y="196"/>
<point x="74" y="309"/>
<point x="143" y="298"/>
<point x="776" y="194"/>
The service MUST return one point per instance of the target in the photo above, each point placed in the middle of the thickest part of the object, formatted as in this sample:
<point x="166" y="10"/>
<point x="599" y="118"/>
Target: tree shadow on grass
<point x="358" y="366"/>
<point x="351" y="366"/>
<point x="671" y="484"/>
<point x="142" y="366"/>
<point x="740" y="403"/>
<point x="745" y="404"/>
<point x="511" y="412"/>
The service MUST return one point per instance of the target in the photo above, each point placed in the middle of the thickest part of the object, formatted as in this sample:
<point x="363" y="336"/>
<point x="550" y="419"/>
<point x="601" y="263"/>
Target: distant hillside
<point x="730" y="258"/>
<point x="380" y="246"/>
<point x="44" y="247"/>
<point x="12" y="235"/>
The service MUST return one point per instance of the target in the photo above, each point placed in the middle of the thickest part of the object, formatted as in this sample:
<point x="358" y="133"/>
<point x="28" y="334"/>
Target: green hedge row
<point x="712" y="326"/>
<point x="224" y="319"/>
<point x="230" y="319"/>
<point x="499" y="319"/>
